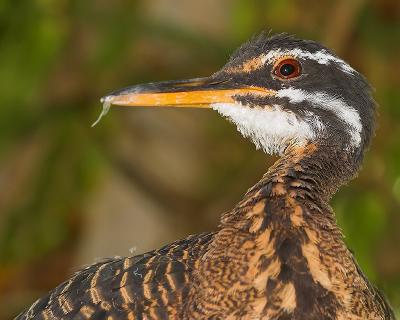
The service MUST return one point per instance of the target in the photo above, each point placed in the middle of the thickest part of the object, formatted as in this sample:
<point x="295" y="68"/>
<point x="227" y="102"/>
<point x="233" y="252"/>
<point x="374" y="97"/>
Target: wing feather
<point x="151" y="286"/>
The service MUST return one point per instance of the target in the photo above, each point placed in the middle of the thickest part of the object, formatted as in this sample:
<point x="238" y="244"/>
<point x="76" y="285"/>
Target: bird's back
<point x="148" y="286"/>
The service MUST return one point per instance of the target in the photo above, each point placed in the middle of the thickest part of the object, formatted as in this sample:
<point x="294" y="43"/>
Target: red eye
<point x="287" y="69"/>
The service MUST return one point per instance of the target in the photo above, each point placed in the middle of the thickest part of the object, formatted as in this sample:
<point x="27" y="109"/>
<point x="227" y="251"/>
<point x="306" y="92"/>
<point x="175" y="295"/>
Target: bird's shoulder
<point x="151" y="284"/>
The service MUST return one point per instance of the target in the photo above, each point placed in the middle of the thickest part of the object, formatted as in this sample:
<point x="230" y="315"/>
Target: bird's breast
<point x="281" y="260"/>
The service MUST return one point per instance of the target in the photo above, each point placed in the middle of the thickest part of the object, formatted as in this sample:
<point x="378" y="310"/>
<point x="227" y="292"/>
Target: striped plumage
<point x="279" y="253"/>
<point x="151" y="285"/>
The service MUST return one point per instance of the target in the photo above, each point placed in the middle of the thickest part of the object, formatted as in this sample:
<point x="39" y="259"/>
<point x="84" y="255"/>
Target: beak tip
<point x="104" y="99"/>
<point x="107" y="100"/>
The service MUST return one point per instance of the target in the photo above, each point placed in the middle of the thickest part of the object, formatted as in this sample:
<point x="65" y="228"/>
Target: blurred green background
<point x="70" y="193"/>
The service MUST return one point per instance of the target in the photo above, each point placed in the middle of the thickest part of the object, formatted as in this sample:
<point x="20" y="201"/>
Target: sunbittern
<point x="278" y="254"/>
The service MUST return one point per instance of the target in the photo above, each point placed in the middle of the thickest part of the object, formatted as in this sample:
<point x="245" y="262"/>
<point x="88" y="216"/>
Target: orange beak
<point x="197" y="93"/>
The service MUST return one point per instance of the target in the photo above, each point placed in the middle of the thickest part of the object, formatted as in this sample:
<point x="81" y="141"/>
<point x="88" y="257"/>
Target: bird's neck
<point x="314" y="170"/>
<point x="306" y="175"/>
<point x="280" y="245"/>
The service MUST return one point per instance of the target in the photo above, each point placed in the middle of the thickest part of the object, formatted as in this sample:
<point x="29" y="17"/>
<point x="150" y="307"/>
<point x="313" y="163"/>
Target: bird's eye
<point x="287" y="69"/>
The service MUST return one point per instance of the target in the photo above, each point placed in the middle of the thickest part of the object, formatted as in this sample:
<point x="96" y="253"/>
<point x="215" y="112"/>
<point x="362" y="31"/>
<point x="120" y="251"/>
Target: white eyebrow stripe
<point x="335" y="104"/>
<point x="321" y="57"/>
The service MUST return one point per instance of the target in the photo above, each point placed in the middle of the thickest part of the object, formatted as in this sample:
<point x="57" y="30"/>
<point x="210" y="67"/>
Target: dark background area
<point x="70" y="193"/>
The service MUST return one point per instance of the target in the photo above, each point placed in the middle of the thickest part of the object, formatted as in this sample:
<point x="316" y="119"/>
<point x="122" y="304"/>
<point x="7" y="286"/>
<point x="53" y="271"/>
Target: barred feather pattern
<point x="278" y="254"/>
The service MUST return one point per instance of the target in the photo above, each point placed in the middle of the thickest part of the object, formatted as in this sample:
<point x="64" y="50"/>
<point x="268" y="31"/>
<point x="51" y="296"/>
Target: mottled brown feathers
<point x="277" y="255"/>
<point x="149" y="286"/>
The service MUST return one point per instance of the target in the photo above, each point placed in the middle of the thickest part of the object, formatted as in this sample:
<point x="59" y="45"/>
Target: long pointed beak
<point x="198" y="93"/>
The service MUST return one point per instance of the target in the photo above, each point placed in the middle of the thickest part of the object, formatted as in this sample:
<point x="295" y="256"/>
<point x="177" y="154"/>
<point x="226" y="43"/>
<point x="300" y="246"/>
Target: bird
<point x="279" y="253"/>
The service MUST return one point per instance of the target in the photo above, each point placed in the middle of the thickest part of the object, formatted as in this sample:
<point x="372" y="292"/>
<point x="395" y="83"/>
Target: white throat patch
<point x="271" y="129"/>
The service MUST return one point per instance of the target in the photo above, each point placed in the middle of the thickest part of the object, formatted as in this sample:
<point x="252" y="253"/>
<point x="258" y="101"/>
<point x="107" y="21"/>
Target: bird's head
<point x="280" y="92"/>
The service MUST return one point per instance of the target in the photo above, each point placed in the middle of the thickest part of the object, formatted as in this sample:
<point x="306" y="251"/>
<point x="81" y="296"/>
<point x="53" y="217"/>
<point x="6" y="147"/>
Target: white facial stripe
<point x="271" y="129"/>
<point x="324" y="101"/>
<point x="321" y="57"/>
